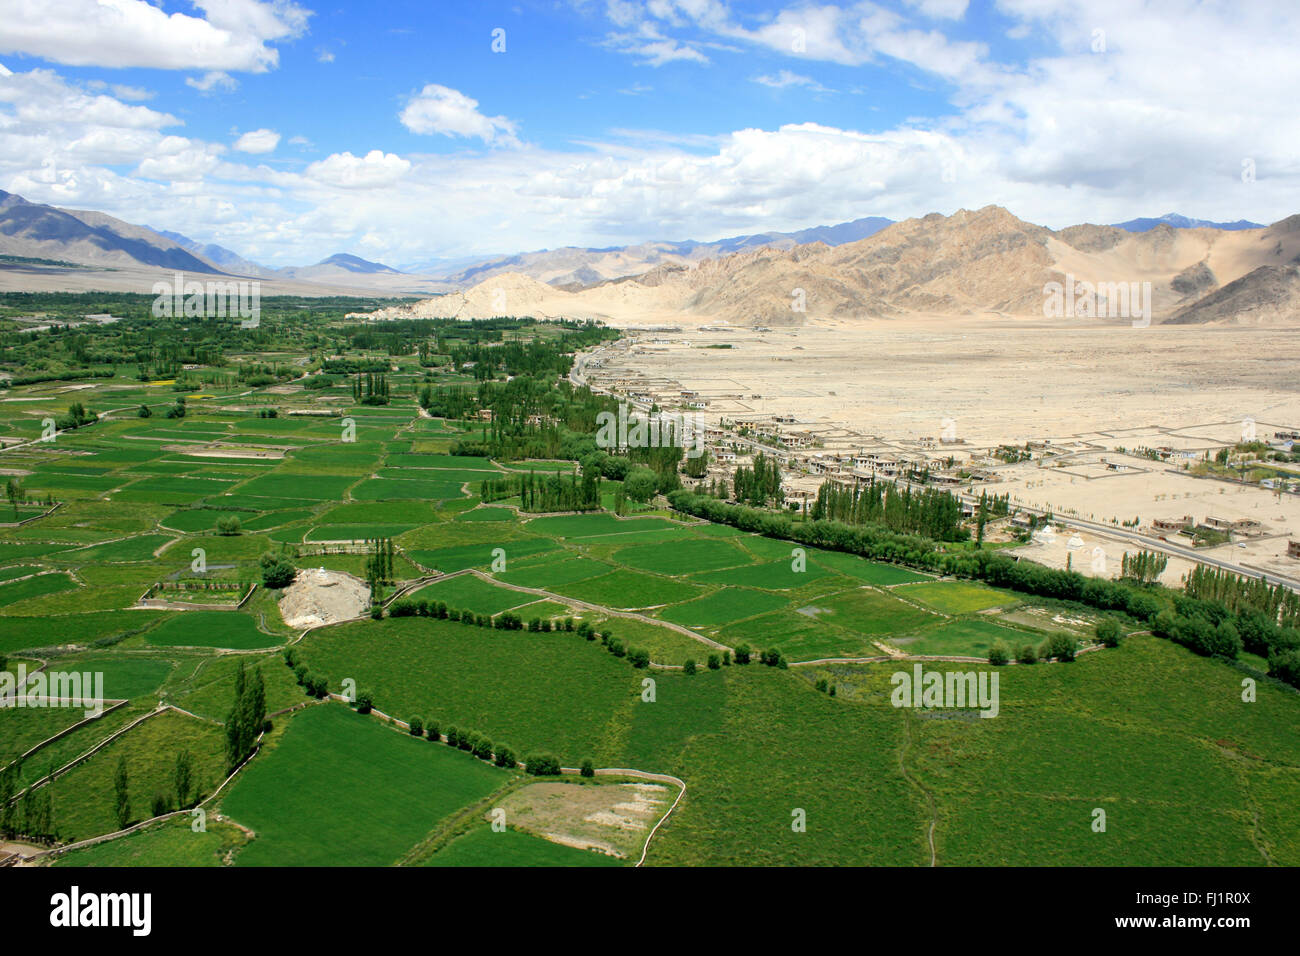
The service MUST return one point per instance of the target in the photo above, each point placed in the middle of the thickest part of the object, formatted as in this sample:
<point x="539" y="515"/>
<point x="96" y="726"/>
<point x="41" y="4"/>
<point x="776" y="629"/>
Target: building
<point x="1293" y="549"/>
<point x="1172" y="524"/>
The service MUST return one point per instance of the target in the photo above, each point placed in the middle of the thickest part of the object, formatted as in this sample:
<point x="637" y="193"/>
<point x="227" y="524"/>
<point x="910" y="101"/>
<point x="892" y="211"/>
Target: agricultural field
<point x="142" y="534"/>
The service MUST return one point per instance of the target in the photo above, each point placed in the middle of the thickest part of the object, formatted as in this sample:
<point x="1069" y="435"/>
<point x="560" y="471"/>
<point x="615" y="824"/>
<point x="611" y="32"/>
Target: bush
<point x="453" y="736"/>
<point x="543" y="765"/>
<point x="1027" y="655"/>
<point x="773" y="658"/>
<point x="416" y="725"/>
<point x="505" y="758"/>
<point x="742" y="653"/>
<point x="228" y="526"/>
<point x="431" y="730"/>
<point x="587" y="769"/>
<point x="365" y="701"/>
<point x="482" y="748"/>
<point x="714" y="662"/>
<point x="999" y="654"/>
<point x="1285" y="666"/>
<point x="1059" y="646"/>
<point x="639" y="657"/>
<point x="689" y="667"/>
<point x="1109" y="632"/>
<point x="159" y="805"/>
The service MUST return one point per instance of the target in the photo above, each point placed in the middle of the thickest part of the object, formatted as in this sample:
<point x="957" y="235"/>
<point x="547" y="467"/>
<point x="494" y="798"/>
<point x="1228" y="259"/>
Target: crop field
<point x="194" y="508"/>
<point x="228" y="629"/>
<point x="337" y="788"/>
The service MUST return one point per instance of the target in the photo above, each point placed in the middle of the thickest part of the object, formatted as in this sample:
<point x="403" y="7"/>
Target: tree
<point x="121" y="794"/>
<point x="999" y="654"/>
<point x="365" y="701"/>
<point x="587" y="769"/>
<point x="184" y="778"/>
<point x="689" y="667"/>
<point x="641" y="484"/>
<point x="1027" y="655"/>
<point x="277" y="571"/>
<point x="416" y="725"/>
<point x="15" y="493"/>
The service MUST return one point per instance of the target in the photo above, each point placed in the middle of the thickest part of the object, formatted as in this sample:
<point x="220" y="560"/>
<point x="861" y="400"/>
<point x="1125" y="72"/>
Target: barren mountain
<point x="34" y="230"/>
<point x="978" y="262"/>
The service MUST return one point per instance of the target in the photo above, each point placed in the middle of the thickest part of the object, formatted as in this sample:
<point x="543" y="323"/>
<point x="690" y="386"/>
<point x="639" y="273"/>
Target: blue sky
<point x="289" y="131"/>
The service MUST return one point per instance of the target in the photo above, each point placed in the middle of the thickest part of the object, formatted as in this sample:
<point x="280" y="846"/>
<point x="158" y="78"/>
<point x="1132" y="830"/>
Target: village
<point x="1101" y="492"/>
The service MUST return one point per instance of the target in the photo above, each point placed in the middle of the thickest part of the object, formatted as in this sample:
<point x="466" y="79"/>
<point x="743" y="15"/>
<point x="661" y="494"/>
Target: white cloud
<point x="783" y="79"/>
<point x="258" y="141"/>
<point x="440" y="109"/>
<point x="346" y="171"/>
<point x="217" y="80"/>
<point x="234" y="34"/>
<point x="134" y="93"/>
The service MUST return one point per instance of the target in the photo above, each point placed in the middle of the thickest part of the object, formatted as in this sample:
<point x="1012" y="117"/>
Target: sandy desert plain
<point x="1097" y="385"/>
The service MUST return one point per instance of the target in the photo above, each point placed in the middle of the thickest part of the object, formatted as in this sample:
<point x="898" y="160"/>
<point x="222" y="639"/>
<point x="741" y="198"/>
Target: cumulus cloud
<point x="440" y="109"/>
<point x="233" y="34"/>
<point x="346" y="171"/>
<point x="258" y="141"/>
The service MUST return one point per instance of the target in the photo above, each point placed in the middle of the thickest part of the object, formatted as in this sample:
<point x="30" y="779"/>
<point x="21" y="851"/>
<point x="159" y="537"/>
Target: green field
<point x="341" y="789"/>
<point x="228" y="629"/>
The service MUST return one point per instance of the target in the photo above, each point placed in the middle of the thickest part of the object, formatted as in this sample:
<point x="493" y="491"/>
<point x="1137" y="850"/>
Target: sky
<point x="407" y="132"/>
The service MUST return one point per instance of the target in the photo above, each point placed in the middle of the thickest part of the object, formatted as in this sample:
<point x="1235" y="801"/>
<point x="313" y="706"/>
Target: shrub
<point x="482" y="748"/>
<point x="431" y="730"/>
<point x="1060" y="646"/>
<point x="639" y="657"/>
<point x="689" y="666"/>
<point x="505" y="758"/>
<point x="543" y="765"/>
<point x="999" y="654"/>
<point x="452" y="736"/>
<point x="1109" y="632"/>
<point x="1027" y="655"/>
<point x="365" y="701"/>
<point x="587" y="769"/>
<point x="742" y="653"/>
<point x="714" y="662"/>
<point x="416" y="725"/>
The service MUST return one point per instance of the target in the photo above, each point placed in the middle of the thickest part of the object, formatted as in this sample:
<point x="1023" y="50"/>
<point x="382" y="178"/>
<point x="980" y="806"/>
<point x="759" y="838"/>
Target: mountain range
<point x="985" y="261"/>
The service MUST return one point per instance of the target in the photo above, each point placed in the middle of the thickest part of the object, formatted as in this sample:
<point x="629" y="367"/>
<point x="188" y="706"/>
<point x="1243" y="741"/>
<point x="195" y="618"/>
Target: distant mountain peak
<point x="345" y="260"/>
<point x="1178" y="221"/>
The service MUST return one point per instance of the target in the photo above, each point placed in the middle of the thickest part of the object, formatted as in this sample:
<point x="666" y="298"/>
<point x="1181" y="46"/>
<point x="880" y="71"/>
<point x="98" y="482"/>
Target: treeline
<point x="1189" y="620"/>
<point x="1244" y="595"/>
<point x="930" y="512"/>
<point x="546" y="492"/>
